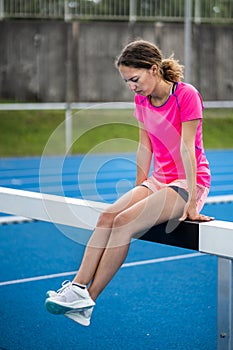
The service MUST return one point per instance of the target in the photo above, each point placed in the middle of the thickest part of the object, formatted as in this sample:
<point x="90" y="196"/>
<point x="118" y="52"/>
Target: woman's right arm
<point x="144" y="155"/>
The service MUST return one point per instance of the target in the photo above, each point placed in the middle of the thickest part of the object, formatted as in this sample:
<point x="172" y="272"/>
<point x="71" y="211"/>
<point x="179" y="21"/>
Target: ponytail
<point x="171" y="70"/>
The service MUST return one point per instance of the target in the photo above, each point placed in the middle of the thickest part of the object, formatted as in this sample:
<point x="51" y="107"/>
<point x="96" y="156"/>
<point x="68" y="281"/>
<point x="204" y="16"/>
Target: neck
<point x="161" y="94"/>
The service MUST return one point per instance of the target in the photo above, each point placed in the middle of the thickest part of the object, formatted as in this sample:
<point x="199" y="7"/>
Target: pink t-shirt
<point x="163" y="125"/>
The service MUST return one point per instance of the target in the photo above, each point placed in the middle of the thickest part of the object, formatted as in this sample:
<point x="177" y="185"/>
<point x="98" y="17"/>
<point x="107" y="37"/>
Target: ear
<point x="154" y="69"/>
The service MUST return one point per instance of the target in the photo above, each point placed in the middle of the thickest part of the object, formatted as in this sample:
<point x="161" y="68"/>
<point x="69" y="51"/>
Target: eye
<point x="133" y="80"/>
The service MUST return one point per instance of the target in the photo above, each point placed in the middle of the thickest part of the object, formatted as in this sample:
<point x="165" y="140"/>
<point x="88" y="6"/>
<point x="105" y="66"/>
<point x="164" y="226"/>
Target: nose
<point x="131" y="85"/>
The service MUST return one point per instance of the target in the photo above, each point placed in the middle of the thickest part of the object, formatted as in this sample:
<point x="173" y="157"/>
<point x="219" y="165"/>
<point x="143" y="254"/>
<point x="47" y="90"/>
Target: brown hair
<point x="143" y="54"/>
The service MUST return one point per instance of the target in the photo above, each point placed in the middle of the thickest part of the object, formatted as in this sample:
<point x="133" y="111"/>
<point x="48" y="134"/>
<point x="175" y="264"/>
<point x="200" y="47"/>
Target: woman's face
<point x="141" y="81"/>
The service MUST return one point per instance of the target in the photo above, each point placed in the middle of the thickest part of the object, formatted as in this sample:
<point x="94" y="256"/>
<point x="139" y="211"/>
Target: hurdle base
<point x="225" y="304"/>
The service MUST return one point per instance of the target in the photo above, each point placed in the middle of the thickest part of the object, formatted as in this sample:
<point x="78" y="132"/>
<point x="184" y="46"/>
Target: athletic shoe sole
<point x="78" y="317"/>
<point x="61" y="308"/>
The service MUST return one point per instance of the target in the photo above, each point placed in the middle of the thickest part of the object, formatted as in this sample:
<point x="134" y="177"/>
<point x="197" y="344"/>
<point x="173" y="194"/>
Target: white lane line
<point x="159" y="260"/>
<point x="38" y="278"/>
<point x="131" y="264"/>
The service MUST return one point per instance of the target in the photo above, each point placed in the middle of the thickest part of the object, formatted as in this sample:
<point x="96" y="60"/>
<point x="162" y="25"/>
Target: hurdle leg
<point x="225" y="304"/>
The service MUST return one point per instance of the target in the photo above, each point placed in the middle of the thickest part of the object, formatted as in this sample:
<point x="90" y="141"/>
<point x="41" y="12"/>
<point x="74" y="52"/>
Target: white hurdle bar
<point x="214" y="237"/>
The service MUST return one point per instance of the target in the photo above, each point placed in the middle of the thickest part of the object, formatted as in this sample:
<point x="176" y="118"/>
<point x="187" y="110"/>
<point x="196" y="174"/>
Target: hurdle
<point x="214" y="238"/>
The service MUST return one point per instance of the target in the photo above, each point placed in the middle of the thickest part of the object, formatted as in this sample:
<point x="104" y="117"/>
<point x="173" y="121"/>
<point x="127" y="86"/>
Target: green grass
<point x="218" y="132"/>
<point x="25" y="133"/>
<point x="30" y="133"/>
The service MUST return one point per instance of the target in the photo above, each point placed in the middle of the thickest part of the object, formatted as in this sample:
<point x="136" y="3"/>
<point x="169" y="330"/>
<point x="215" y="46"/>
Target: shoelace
<point x="65" y="285"/>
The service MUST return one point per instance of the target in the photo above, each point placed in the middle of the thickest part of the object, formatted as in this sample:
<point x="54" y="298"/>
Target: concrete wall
<point x="58" y="61"/>
<point x="33" y="60"/>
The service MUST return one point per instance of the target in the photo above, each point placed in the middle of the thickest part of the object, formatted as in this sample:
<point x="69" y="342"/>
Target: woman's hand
<point x="191" y="213"/>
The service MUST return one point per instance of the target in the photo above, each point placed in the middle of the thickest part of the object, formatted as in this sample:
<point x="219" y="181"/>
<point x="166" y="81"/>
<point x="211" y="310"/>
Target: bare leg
<point x="159" y="207"/>
<point x="99" y="239"/>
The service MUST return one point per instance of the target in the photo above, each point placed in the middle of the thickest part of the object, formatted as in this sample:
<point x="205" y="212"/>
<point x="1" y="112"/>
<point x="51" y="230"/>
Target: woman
<point x="170" y="128"/>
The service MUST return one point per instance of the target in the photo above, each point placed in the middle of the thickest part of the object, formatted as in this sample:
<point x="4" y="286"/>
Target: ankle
<point x="92" y="293"/>
<point x="80" y="285"/>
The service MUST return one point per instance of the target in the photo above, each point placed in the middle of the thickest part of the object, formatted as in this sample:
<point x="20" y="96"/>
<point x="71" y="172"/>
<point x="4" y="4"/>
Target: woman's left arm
<point x="188" y="155"/>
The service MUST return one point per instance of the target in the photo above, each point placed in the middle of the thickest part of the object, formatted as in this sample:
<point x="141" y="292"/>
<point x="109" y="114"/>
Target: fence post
<point x="67" y="11"/>
<point x="188" y="40"/>
<point x="197" y="12"/>
<point x="2" y="10"/>
<point x="68" y="129"/>
<point x="132" y="11"/>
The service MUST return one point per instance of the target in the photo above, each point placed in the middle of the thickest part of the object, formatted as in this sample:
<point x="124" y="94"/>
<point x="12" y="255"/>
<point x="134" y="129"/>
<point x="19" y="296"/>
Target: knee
<point x="106" y="219"/>
<point x="120" y="222"/>
<point x="121" y="233"/>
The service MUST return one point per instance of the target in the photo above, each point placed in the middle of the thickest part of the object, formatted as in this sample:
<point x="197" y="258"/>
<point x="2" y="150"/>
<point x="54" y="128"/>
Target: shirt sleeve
<point x="191" y="104"/>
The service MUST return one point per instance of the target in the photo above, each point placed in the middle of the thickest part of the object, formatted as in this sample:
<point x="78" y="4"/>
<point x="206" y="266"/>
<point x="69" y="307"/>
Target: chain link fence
<point x="217" y="11"/>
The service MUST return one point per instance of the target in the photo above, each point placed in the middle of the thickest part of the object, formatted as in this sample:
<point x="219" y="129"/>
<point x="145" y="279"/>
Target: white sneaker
<point x="50" y="293"/>
<point x="69" y="298"/>
<point x="53" y="293"/>
<point x="82" y="317"/>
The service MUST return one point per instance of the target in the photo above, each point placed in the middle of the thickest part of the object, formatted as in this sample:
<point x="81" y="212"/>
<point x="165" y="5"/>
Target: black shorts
<point x="181" y="191"/>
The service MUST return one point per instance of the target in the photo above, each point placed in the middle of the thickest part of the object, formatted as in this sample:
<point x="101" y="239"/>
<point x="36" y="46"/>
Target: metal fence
<point x="119" y="10"/>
